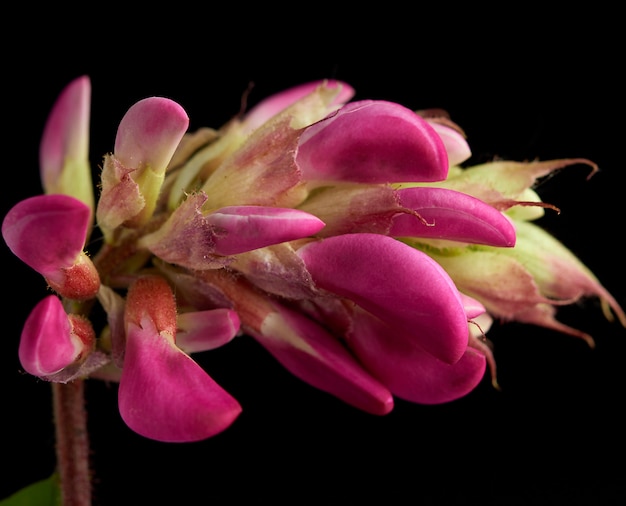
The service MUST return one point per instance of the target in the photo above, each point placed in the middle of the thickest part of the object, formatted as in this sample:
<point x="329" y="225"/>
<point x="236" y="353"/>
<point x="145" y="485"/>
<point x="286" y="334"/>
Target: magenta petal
<point x="165" y="395"/>
<point x="408" y="370"/>
<point x="309" y="352"/>
<point x="274" y="104"/>
<point x="47" y="232"/>
<point x="449" y="214"/>
<point x="47" y="345"/>
<point x="206" y="330"/>
<point x="404" y="287"/>
<point x="244" y="228"/>
<point x="149" y="133"/>
<point x="66" y="134"/>
<point x="372" y="142"/>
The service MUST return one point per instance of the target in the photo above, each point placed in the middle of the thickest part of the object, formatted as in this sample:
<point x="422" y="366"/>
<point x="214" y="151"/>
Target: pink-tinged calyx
<point x="558" y="273"/>
<point x="372" y="141"/>
<point x="52" y="340"/>
<point x="64" y="147"/>
<point x="262" y="171"/>
<point x="132" y="176"/>
<point x="526" y="282"/>
<point x="163" y="394"/>
<point x="151" y="298"/>
<point x="404" y="287"/>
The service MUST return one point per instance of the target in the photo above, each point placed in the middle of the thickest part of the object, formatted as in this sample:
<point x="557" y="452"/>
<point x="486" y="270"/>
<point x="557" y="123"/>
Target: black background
<point x="553" y="435"/>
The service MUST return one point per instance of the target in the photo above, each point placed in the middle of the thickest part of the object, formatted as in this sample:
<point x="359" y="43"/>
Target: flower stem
<point x="72" y="442"/>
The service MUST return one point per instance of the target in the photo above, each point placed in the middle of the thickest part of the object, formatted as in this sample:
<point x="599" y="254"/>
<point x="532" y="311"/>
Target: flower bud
<point x="53" y="341"/>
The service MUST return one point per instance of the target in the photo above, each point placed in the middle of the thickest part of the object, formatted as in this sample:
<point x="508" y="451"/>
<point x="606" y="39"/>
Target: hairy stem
<point x="72" y="442"/>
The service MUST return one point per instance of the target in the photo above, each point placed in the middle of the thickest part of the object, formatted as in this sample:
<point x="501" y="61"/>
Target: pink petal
<point x="244" y="228"/>
<point x="206" y="330"/>
<point x="473" y="308"/>
<point x="404" y="287"/>
<point x="457" y="148"/>
<point x="47" y="232"/>
<point x="409" y="371"/>
<point x="448" y="214"/>
<point x="66" y="133"/>
<point x="164" y="395"/>
<point x="309" y="352"/>
<point x="274" y="104"/>
<point x="49" y="342"/>
<point x="372" y="142"/>
<point x="149" y="133"/>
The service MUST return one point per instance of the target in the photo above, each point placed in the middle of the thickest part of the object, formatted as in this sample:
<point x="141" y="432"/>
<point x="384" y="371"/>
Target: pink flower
<point x="56" y="346"/>
<point x="197" y="240"/>
<point x="133" y="175"/>
<point x="163" y="393"/>
<point x="48" y="232"/>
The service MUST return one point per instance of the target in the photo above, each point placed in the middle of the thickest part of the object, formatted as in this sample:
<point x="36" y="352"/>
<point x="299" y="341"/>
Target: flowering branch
<point x="347" y="238"/>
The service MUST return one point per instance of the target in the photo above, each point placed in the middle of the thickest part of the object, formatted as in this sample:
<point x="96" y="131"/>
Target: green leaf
<point x="42" y="493"/>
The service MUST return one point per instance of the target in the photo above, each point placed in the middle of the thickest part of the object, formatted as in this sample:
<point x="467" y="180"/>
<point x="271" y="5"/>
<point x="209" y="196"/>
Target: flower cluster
<point x="344" y="236"/>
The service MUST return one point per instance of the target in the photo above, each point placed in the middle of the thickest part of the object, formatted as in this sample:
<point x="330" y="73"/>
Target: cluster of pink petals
<point x="313" y="224"/>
